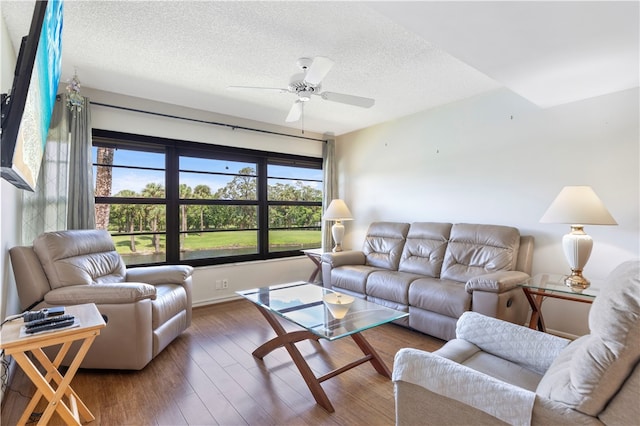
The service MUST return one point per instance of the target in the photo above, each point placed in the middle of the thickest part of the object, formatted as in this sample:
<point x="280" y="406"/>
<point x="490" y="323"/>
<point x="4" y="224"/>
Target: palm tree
<point x="154" y="190"/>
<point x="185" y="193"/>
<point x="202" y="192"/>
<point x="126" y="215"/>
<point x="104" y="180"/>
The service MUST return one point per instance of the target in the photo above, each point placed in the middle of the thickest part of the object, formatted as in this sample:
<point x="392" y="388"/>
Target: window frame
<point x="174" y="149"/>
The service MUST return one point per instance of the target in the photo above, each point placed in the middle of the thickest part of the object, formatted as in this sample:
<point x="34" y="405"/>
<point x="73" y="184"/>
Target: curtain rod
<point x="214" y="123"/>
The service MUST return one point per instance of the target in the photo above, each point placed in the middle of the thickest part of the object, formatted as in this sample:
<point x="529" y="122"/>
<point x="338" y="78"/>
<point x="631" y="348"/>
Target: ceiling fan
<point x="308" y="83"/>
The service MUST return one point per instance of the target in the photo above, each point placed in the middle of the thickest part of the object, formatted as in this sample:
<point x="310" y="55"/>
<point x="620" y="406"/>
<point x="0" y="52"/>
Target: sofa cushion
<point x="445" y="297"/>
<point x="390" y="285"/>
<point x="352" y="277"/>
<point x="424" y="249"/>
<point x="591" y="370"/>
<point x="79" y="257"/>
<point x="479" y="249"/>
<point x="384" y="243"/>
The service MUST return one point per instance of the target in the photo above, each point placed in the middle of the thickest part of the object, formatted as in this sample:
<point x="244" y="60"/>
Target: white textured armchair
<point x="496" y="372"/>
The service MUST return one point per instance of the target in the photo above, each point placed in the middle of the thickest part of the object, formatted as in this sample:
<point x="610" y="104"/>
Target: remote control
<point x="50" y="326"/>
<point x="50" y="320"/>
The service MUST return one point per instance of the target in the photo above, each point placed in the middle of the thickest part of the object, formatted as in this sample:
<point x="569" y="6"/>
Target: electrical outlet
<point x="225" y="283"/>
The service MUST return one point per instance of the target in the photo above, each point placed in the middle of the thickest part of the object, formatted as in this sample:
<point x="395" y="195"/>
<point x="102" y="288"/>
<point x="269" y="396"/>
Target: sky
<point x="136" y="179"/>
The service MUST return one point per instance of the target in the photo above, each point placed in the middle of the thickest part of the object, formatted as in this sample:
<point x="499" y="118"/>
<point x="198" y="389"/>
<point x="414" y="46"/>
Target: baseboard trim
<point x="214" y="300"/>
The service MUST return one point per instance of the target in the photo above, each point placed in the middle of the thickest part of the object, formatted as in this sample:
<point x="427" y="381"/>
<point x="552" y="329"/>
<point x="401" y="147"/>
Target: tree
<point x="125" y="215"/>
<point x="241" y="187"/>
<point x="202" y="192"/>
<point x="185" y="193"/>
<point x="154" y="190"/>
<point x="104" y="180"/>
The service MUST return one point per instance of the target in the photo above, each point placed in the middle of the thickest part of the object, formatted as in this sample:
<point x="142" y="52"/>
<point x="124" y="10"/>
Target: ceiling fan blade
<point x="271" y="89"/>
<point x="348" y="99"/>
<point x="295" y="112"/>
<point x="318" y="70"/>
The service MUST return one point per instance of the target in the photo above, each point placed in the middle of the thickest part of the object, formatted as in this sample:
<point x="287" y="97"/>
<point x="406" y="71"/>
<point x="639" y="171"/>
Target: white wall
<point x="498" y="159"/>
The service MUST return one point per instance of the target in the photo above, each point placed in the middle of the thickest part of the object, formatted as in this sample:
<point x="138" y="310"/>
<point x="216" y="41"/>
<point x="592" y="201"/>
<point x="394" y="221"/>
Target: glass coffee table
<point x="302" y="304"/>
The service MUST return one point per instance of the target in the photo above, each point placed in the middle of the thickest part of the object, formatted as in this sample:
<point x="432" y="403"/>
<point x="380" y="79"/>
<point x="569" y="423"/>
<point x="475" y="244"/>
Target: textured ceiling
<point x="408" y="56"/>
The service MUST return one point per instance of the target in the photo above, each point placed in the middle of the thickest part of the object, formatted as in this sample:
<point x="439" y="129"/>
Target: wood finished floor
<point x="208" y="376"/>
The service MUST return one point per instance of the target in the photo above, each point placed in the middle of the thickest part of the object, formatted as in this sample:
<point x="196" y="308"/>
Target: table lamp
<point x="337" y="211"/>
<point x="577" y="206"/>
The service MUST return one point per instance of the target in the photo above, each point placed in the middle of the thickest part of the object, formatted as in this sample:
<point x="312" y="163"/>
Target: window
<point x="174" y="201"/>
<point x="294" y="198"/>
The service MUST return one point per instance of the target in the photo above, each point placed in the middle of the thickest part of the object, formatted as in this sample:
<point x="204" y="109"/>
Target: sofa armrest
<point x="333" y="260"/>
<point x="496" y="282"/>
<point x="116" y="293"/>
<point x="341" y="258"/>
<point x="163" y="274"/>
<point x="526" y="347"/>
<point x="442" y="376"/>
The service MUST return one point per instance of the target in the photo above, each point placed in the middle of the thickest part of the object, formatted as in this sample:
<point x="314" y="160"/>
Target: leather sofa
<point x="145" y="307"/>
<point x="436" y="272"/>
<point x="500" y="373"/>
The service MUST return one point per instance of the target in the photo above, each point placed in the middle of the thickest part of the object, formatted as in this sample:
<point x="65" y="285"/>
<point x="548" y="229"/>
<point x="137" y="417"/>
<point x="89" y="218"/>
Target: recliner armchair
<point x="496" y="372"/>
<point x="146" y="307"/>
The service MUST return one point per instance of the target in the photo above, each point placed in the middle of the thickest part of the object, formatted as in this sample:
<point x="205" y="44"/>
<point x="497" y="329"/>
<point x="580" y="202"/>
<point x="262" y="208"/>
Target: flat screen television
<point x="26" y="110"/>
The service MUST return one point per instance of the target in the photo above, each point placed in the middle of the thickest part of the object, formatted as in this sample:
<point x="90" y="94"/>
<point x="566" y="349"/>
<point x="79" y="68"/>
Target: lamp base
<point x="337" y="230"/>
<point x="576" y="281"/>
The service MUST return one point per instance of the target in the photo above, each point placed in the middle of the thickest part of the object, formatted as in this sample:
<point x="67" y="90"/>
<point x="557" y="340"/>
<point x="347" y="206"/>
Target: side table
<point x="90" y="322"/>
<point x="316" y="257"/>
<point x="541" y="286"/>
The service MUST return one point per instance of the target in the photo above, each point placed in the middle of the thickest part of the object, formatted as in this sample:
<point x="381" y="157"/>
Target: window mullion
<point x="173" y="205"/>
<point x="263" y="208"/>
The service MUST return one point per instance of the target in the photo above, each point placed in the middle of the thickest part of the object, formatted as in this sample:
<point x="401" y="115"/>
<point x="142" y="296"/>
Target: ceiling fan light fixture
<point x="304" y="95"/>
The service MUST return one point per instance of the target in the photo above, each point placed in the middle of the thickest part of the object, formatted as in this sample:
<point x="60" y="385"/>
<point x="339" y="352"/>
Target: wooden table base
<point x="73" y="413"/>
<point x="50" y="383"/>
<point x="535" y="299"/>
<point x="288" y="339"/>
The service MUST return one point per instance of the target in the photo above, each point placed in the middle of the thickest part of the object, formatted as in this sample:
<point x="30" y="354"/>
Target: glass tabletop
<point x="303" y="304"/>
<point x="555" y="283"/>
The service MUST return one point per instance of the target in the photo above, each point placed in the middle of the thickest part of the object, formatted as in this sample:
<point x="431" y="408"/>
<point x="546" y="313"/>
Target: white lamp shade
<point x="578" y="205"/>
<point x="337" y="210"/>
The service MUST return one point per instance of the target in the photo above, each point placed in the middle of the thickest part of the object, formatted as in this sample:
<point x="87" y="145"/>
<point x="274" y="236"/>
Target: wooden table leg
<point x="375" y="360"/>
<point x="44" y="388"/>
<point x="49" y="367"/>
<point x="536" y="321"/>
<point x="81" y="411"/>
<point x="316" y="271"/>
<point x="287" y="341"/>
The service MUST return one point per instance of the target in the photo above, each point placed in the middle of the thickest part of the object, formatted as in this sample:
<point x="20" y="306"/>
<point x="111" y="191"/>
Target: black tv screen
<point x="26" y="111"/>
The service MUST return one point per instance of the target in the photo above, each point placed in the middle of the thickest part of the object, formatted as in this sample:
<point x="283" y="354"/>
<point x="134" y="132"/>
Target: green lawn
<point x="221" y="240"/>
